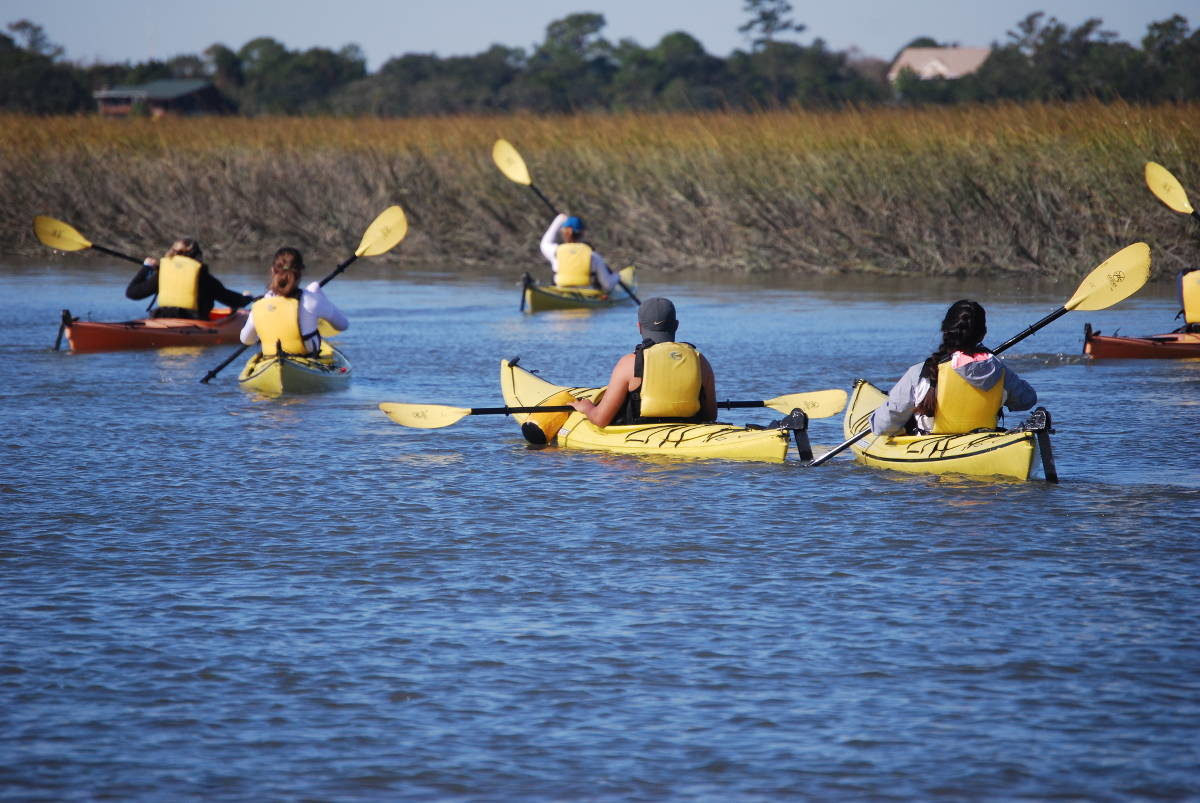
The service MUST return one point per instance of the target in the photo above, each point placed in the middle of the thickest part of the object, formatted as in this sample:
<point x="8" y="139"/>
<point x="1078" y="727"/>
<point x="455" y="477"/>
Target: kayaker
<point x="661" y="380"/>
<point x="959" y="388"/>
<point x="574" y="262"/>
<point x="287" y="315"/>
<point x="187" y="289"/>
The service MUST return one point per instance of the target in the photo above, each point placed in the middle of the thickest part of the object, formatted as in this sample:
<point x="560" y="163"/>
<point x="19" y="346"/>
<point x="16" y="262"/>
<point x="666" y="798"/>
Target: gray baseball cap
<point x="656" y="316"/>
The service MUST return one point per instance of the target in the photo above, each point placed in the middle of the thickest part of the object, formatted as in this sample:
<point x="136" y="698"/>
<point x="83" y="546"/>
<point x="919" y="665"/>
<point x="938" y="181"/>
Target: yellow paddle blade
<point x="1167" y="188"/>
<point x="326" y="328"/>
<point x="424" y="416"/>
<point x="58" y="235"/>
<point x="383" y="233"/>
<point x="510" y="162"/>
<point x="1116" y="279"/>
<point x="815" y="404"/>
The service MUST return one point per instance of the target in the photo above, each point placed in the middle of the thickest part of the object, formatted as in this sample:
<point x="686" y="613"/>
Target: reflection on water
<point x="212" y="594"/>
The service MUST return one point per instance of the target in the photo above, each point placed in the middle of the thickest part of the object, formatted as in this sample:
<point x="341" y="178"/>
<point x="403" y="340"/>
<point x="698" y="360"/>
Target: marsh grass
<point x="1044" y="189"/>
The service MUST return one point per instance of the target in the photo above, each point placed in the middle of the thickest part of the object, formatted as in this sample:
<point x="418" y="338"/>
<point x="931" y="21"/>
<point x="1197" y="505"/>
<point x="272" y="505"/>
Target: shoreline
<point x="1032" y="190"/>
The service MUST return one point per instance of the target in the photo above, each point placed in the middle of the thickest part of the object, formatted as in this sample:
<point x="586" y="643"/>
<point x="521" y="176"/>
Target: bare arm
<point x="614" y="397"/>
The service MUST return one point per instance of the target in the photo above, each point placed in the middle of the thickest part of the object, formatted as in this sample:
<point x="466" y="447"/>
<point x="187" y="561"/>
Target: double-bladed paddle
<point x="1168" y="189"/>
<point x="384" y="233"/>
<point x="815" y="404"/>
<point x="1113" y="280"/>
<point x="64" y="237"/>
<point x="509" y="160"/>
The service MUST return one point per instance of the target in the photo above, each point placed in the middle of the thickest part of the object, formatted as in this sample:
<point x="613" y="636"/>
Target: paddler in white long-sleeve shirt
<point x="575" y="263"/>
<point x="288" y="315"/>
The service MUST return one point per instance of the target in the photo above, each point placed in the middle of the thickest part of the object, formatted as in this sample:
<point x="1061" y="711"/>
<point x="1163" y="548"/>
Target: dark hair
<point x="286" y="269"/>
<point x="185" y="247"/>
<point x="963" y="329"/>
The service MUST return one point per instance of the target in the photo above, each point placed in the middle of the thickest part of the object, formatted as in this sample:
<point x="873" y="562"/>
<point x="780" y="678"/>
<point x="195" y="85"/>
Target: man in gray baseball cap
<point x="660" y="381"/>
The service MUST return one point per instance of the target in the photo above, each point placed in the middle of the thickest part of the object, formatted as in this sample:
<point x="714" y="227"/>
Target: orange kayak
<point x="1171" y="345"/>
<point x="223" y="326"/>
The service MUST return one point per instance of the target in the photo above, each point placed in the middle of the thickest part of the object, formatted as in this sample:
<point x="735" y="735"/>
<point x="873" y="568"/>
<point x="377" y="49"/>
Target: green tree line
<point x="575" y="68"/>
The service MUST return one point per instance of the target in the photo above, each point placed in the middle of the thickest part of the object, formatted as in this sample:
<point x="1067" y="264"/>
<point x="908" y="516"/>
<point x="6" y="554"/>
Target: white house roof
<point x="939" y="62"/>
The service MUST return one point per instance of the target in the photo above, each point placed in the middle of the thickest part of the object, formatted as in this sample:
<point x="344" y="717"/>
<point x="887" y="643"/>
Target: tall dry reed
<point x="1044" y="189"/>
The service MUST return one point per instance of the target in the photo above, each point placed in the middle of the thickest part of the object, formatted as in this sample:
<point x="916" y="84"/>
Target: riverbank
<point x="1037" y="189"/>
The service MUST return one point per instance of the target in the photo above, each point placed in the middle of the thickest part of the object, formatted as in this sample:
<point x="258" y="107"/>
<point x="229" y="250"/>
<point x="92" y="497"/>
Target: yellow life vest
<point x="574" y="265"/>
<point x="962" y="407"/>
<point x="277" y="321"/>
<point x="1189" y="295"/>
<point x="671" y="381"/>
<point x="179" y="283"/>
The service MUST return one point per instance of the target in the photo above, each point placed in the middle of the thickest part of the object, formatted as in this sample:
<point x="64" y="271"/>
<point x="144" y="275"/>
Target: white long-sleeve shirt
<point x="314" y="305"/>
<point x="604" y="275"/>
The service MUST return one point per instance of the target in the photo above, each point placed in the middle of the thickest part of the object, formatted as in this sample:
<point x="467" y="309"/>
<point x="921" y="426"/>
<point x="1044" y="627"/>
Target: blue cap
<point x="573" y="223"/>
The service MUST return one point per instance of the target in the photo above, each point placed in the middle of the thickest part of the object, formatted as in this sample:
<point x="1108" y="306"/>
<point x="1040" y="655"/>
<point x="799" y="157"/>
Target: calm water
<point x="211" y="595"/>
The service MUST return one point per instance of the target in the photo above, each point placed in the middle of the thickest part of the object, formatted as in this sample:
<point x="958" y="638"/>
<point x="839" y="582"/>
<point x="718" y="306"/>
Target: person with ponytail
<point x="182" y="284"/>
<point x="959" y="388"/>
<point x="287" y="315"/>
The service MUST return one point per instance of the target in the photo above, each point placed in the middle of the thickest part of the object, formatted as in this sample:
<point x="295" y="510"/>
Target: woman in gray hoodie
<point x="959" y="388"/>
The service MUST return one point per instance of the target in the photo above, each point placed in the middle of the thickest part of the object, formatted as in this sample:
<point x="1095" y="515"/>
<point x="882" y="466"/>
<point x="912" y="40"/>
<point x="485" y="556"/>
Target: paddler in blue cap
<point x="661" y="381"/>
<point x="575" y="263"/>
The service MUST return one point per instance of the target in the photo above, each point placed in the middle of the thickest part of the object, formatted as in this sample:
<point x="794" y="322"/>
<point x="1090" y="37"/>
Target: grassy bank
<point x="1033" y="188"/>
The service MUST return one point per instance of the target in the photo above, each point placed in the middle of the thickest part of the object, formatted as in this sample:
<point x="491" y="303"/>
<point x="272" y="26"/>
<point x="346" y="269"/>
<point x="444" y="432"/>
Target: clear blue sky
<point x="136" y="30"/>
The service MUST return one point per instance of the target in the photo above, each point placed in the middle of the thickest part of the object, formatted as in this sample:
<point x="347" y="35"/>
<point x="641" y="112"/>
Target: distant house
<point x="939" y="62"/>
<point x="172" y="96"/>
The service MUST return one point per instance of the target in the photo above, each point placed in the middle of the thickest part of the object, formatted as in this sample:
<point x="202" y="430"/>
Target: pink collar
<point x="958" y="359"/>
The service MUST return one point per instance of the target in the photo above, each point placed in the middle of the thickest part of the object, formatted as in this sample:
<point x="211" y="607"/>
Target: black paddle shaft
<point x="564" y="408"/>
<point x="545" y="200"/>
<point x="117" y="254"/>
<point x="1012" y="341"/>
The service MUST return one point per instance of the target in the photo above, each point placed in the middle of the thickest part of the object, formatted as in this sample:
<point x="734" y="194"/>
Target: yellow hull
<point x="543" y="297"/>
<point x="984" y="454"/>
<point x="723" y="441"/>
<point x="274" y="376"/>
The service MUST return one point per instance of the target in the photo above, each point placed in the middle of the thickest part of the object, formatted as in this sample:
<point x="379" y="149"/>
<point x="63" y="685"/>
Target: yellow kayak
<point x="540" y="297"/>
<point x="276" y="375"/>
<point x="725" y="441"/>
<point x="1005" y="453"/>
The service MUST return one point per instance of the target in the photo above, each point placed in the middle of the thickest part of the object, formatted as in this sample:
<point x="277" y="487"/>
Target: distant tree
<point x="675" y="74"/>
<point x="32" y="38"/>
<point x="188" y="66"/>
<point x="769" y="19"/>
<point x="1172" y="59"/>
<point x="279" y="81"/>
<point x="226" y="68"/>
<point x="571" y="69"/>
<point x="30" y="81"/>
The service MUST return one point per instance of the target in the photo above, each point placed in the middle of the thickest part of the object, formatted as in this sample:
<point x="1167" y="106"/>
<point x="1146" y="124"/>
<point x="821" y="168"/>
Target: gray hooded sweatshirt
<point x="984" y="373"/>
